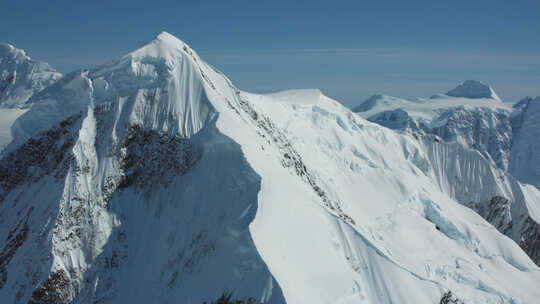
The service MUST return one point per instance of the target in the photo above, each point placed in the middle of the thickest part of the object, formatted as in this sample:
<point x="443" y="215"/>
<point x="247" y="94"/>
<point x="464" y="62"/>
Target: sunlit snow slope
<point x="153" y="179"/>
<point x="480" y="151"/>
<point x="20" y="78"/>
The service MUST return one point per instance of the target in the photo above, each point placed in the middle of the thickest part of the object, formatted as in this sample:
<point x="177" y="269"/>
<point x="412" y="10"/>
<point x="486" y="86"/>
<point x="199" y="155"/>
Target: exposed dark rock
<point x="227" y="298"/>
<point x="151" y="158"/>
<point x="15" y="239"/>
<point x="55" y="290"/>
<point x="40" y="155"/>
<point x="290" y="158"/>
<point x="449" y="298"/>
<point x="497" y="212"/>
<point x="530" y="239"/>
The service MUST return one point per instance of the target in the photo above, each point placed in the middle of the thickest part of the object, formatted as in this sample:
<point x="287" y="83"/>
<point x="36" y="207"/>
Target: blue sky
<point x="348" y="49"/>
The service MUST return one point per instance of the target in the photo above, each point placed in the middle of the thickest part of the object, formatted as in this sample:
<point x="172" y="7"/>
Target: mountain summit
<point x="473" y="89"/>
<point x="153" y="179"/>
<point x="21" y="77"/>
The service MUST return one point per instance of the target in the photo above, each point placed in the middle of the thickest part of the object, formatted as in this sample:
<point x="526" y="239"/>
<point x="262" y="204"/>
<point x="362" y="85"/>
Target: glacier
<point x="153" y="178"/>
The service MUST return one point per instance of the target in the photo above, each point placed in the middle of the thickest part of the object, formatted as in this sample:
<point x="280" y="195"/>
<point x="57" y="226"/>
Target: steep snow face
<point x="483" y="124"/>
<point x="470" y="144"/>
<point x="473" y="89"/>
<point x="388" y="211"/>
<point x="160" y="81"/>
<point x="141" y="198"/>
<point x="159" y="181"/>
<point x="471" y="179"/>
<point x="21" y="77"/>
<point x="525" y="145"/>
<point x="501" y="132"/>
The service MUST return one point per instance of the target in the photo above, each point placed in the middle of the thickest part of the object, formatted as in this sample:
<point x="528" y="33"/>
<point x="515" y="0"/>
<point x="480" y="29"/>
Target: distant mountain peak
<point x="21" y="77"/>
<point x="473" y="89"/>
<point x="8" y="50"/>
<point x="522" y="102"/>
<point x="375" y="100"/>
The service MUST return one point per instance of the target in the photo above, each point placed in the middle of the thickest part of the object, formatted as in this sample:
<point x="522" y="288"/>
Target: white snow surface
<point x="21" y="77"/>
<point x="295" y="198"/>
<point x="7" y="118"/>
<point x="505" y="133"/>
<point x="524" y="155"/>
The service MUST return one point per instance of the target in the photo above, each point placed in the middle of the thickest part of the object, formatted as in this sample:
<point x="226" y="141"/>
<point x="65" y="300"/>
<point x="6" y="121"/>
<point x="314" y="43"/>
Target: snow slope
<point x="454" y="130"/>
<point x="159" y="181"/>
<point x="7" y="118"/>
<point x="20" y="78"/>
<point x="483" y="124"/>
<point x="525" y="144"/>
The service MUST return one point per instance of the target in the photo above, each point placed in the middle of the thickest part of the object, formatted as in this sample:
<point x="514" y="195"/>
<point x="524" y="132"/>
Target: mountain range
<point x="153" y="179"/>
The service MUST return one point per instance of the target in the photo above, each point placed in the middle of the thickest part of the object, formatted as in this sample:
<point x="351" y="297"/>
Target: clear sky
<point x="348" y="49"/>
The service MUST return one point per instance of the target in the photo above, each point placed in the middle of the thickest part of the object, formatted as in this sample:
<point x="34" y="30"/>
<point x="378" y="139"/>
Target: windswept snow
<point x="159" y="181"/>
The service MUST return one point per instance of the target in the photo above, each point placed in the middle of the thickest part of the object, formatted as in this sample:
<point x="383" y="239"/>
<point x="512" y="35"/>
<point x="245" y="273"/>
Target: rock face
<point x="21" y="77"/>
<point x="473" y="89"/>
<point x="153" y="179"/>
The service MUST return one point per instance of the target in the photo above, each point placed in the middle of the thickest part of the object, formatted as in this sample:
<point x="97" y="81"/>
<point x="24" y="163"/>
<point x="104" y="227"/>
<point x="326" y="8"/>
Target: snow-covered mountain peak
<point x="8" y="50"/>
<point x="155" y="173"/>
<point x="164" y="85"/>
<point x="165" y="47"/>
<point x="471" y="114"/>
<point x="473" y="89"/>
<point x="21" y="77"/>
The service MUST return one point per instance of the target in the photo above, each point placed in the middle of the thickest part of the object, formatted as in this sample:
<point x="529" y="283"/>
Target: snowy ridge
<point x="160" y="181"/>
<point x="164" y="70"/>
<point x="496" y="195"/>
<point x="483" y="124"/>
<point x="21" y="77"/>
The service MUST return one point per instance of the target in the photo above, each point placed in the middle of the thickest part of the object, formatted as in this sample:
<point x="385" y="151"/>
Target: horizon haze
<point x="349" y="50"/>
